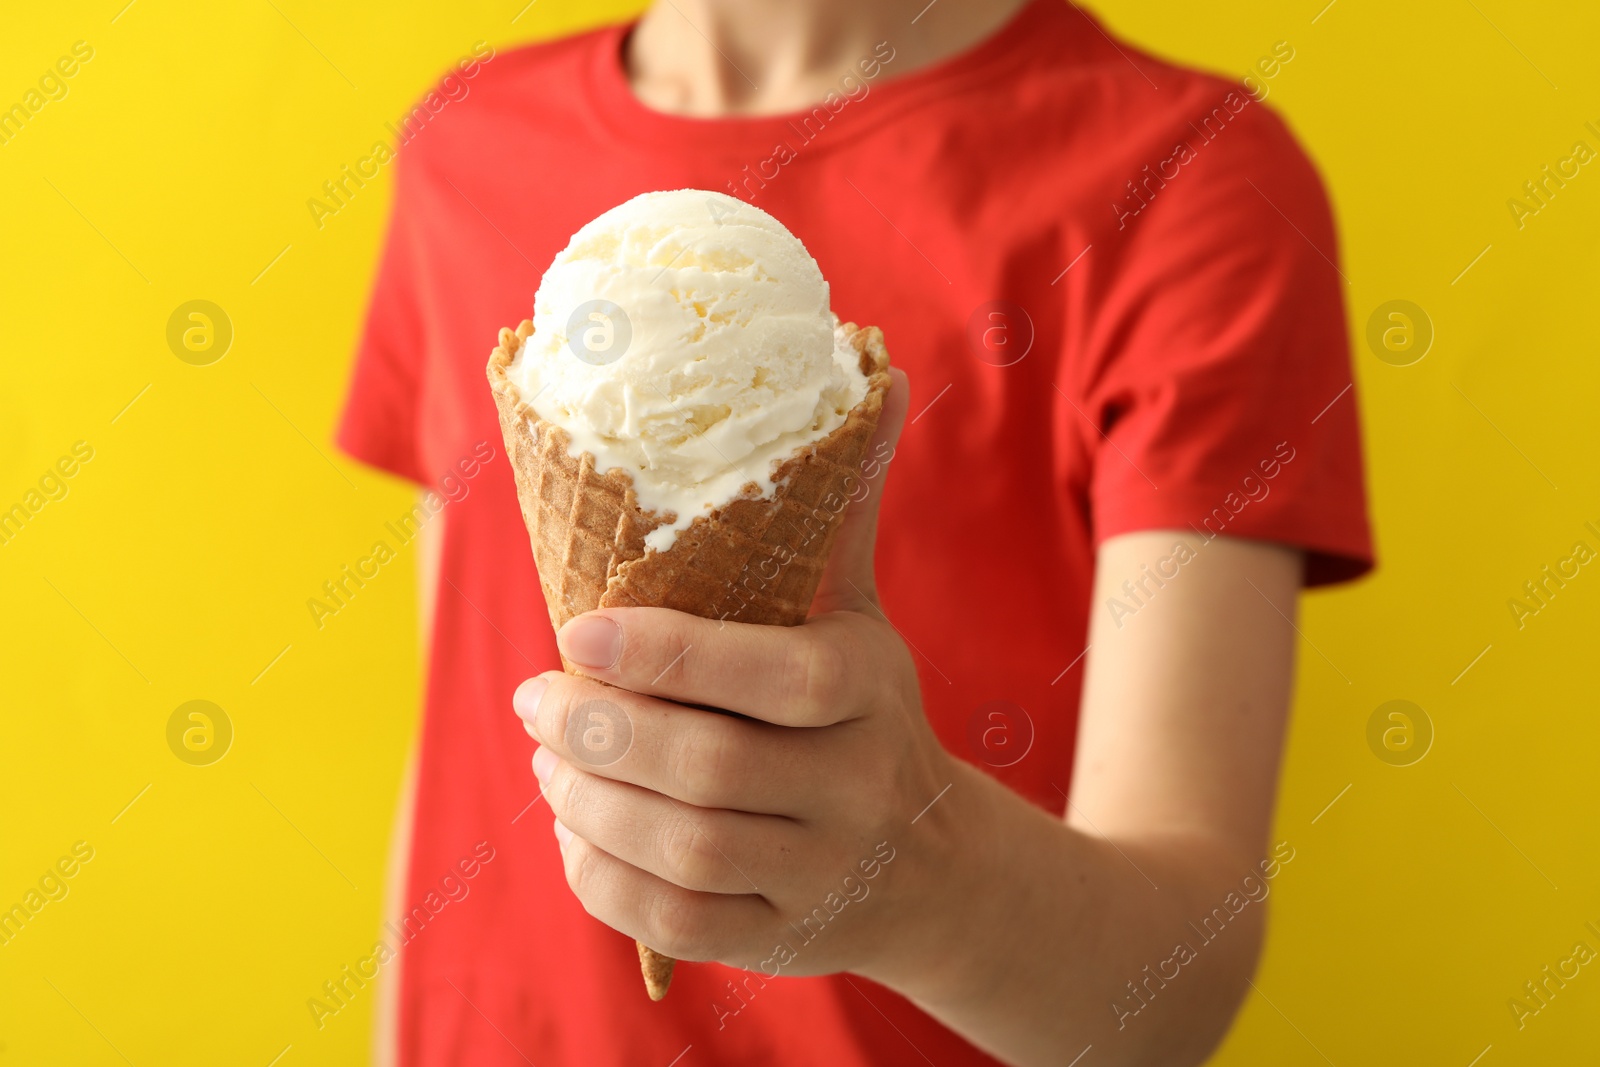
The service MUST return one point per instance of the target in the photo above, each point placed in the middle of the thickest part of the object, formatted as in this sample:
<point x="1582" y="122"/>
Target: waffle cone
<point x="755" y="559"/>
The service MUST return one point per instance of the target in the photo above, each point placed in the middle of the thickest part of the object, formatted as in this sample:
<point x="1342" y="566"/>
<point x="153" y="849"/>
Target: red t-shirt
<point x="1113" y="283"/>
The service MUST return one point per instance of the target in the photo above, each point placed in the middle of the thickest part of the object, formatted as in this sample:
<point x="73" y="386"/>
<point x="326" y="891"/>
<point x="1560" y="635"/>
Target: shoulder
<point x="1158" y="103"/>
<point x="1144" y="133"/>
<point x="1197" y="156"/>
<point x="1099" y="89"/>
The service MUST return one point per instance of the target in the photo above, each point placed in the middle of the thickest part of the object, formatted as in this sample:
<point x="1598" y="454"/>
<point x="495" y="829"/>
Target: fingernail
<point x="544" y="762"/>
<point x="591" y="641"/>
<point x="563" y="835"/>
<point x="526" y="699"/>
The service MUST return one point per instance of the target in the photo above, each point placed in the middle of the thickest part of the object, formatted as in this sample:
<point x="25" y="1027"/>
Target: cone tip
<point x="657" y="971"/>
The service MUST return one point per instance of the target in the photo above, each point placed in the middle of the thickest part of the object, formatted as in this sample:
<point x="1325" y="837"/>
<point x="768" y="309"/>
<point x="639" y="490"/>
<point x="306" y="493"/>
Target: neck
<point x="714" y="58"/>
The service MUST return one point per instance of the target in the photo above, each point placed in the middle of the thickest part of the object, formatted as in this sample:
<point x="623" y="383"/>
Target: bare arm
<point x="1179" y="742"/>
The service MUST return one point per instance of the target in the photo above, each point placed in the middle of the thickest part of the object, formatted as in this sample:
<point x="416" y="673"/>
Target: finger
<point x="706" y="850"/>
<point x="815" y="674"/>
<point x="702" y="758"/>
<point x="848" y="582"/>
<point x="674" y="921"/>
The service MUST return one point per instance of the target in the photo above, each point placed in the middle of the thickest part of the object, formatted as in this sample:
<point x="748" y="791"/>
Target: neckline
<point x="630" y="120"/>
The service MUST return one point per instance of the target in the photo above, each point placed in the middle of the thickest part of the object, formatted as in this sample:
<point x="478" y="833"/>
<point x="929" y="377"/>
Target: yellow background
<point x="178" y="566"/>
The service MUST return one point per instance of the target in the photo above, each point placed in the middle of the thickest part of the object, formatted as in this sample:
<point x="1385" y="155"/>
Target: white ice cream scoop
<point x="687" y="338"/>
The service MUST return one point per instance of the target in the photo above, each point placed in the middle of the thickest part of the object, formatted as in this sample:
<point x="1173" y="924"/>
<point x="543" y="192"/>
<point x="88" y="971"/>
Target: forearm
<point x="1031" y="935"/>
<point x="1042" y="940"/>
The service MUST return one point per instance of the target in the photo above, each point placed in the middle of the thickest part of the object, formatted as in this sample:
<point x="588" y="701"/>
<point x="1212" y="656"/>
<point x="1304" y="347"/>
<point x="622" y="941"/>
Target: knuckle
<point x="550" y="721"/>
<point x="704" y="764"/>
<point x="666" y="644"/>
<point x="685" y="849"/>
<point x="679" y="928"/>
<point x="562" y="788"/>
<point x="578" y="863"/>
<point x="824" y="672"/>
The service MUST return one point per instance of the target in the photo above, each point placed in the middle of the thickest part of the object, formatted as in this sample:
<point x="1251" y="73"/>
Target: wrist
<point x="941" y="948"/>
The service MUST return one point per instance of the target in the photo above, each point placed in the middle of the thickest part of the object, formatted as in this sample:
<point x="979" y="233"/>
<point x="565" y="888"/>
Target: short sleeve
<point x="1220" y="391"/>
<point x="380" y="422"/>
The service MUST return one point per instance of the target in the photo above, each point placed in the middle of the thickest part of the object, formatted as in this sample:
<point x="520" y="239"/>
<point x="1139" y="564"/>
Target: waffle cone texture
<point x="756" y="559"/>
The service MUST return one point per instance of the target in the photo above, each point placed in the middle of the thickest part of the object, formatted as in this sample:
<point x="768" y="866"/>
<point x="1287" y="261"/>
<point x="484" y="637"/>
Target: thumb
<point x="848" y="582"/>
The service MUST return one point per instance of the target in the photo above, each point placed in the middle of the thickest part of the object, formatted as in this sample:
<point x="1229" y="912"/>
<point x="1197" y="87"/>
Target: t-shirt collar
<point x="626" y="118"/>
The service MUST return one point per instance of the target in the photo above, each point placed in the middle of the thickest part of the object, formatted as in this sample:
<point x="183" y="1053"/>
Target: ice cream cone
<point x="756" y="559"/>
<point x="657" y="970"/>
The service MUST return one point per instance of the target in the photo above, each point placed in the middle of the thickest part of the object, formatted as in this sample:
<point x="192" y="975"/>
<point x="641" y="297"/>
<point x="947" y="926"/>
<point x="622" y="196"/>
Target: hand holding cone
<point x="756" y="559"/>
